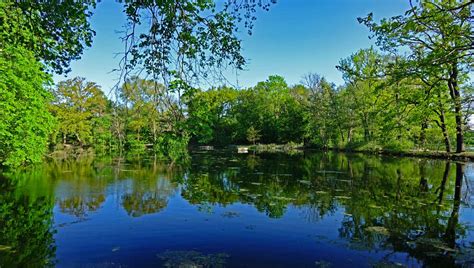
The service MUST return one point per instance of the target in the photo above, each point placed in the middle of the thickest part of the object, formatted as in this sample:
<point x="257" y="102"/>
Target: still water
<point x="221" y="209"/>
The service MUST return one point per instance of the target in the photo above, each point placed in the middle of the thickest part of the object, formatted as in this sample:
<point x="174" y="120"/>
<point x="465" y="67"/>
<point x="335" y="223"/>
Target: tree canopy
<point x="411" y="92"/>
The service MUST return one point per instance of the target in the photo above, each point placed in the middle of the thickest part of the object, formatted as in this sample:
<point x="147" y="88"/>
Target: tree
<point x="363" y="71"/>
<point x="25" y="123"/>
<point x="253" y="135"/>
<point x="323" y="127"/>
<point x="77" y="106"/>
<point x="34" y="37"/>
<point x="438" y="36"/>
<point x="210" y="115"/>
<point x="272" y="108"/>
<point x="55" y="32"/>
<point x="395" y="111"/>
<point x="186" y="40"/>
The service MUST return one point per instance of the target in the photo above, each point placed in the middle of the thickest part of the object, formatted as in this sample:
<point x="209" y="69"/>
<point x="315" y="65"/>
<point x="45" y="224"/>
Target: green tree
<point x="393" y="112"/>
<point x="322" y="107"/>
<point x="25" y="123"/>
<point x="30" y="33"/>
<point x="55" y="32"/>
<point x="271" y="107"/>
<point x="78" y="105"/>
<point x="146" y="111"/>
<point x="362" y="71"/>
<point x="210" y="117"/>
<point x="253" y="135"/>
<point x="187" y="39"/>
<point x="438" y="37"/>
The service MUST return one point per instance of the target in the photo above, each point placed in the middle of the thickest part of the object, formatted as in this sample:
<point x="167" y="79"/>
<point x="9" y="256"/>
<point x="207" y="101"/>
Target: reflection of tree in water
<point x="245" y="179"/>
<point x="149" y="185"/>
<point x="138" y="204"/>
<point x="149" y="195"/>
<point x="400" y="205"/>
<point x="79" y="206"/>
<point x="78" y="186"/>
<point x="26" y="234"/>
<point x="413" y="220"/>
<point x="81" y="185"/>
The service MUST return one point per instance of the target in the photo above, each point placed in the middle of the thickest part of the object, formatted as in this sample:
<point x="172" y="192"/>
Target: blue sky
<point x="294" y="38"/>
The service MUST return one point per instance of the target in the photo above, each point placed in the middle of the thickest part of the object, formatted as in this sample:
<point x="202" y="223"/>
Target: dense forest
<point x="412" y="91"/>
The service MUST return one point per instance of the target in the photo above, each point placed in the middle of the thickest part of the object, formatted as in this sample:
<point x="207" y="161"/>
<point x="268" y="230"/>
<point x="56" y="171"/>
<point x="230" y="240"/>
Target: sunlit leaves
<point x="25" y="122"/>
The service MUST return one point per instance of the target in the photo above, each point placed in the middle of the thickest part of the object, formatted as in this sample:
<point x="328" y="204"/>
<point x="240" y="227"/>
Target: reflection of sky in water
<point x="260" y="211"/>
<point x="249" y="238"/>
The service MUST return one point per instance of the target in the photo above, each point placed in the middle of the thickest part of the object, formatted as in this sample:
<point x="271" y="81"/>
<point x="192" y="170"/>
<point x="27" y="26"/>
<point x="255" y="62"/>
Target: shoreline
<point x="465" y="156"/>
<point x="289" y="148"/>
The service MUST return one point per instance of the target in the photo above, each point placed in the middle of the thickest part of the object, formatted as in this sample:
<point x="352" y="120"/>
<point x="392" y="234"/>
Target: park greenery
<point x="411" y="92"/>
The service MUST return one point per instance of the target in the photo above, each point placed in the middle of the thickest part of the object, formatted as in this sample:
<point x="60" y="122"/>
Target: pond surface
<point x="239" y="210"/>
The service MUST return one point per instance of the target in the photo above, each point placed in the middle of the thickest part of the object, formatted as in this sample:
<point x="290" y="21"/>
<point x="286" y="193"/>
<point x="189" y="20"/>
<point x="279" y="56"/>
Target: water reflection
<point x="26" y="233"/>
<point x="389" y="205"/>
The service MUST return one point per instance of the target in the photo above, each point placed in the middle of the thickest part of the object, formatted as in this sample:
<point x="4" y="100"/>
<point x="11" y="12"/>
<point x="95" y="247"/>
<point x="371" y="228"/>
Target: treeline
<point x="364" y="114"/>
<point x="38" y="39"/>
<point x="412" y="92"/>
<point x="142" y="116"/>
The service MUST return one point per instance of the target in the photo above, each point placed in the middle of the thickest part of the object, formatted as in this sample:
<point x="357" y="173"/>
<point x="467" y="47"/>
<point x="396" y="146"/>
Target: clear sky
<point x="294" y="38"/>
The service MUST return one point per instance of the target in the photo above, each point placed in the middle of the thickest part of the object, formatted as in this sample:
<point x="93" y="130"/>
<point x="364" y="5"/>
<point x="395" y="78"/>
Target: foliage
<point x="80" y="109"/>
<point x="414" y="94"/>
<point x="438" y="38"/>
<point x="174" y="147"/>
<point x="253" y="135"/>
<point x="25" y="123"/>
<point x="26" y="233"/>
<point x="55" y="32"/>
<point x="223" y="116"/>
<point x="186" y="39"/>
<point x="210" y="117"/>
<point x="30" y="33"/>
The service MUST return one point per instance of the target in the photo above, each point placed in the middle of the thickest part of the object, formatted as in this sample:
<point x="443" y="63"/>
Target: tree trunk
<point x="341" y="132"/>
<point x="349" y="135"/>
<point x="456" y="97"/>
<point x="424" y="126"/>
<point x="154" y="132"/>
<point x="366" y="129"/>
<point x="442" y="124"/>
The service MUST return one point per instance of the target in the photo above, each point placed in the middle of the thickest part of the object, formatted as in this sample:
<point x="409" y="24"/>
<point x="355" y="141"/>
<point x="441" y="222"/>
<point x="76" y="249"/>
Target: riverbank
<point x="465" y="156"/>
<point x="294" y="147"/>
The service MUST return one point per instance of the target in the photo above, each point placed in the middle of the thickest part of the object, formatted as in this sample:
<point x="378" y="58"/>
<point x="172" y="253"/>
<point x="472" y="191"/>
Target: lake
<point x="223" y="209"/>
